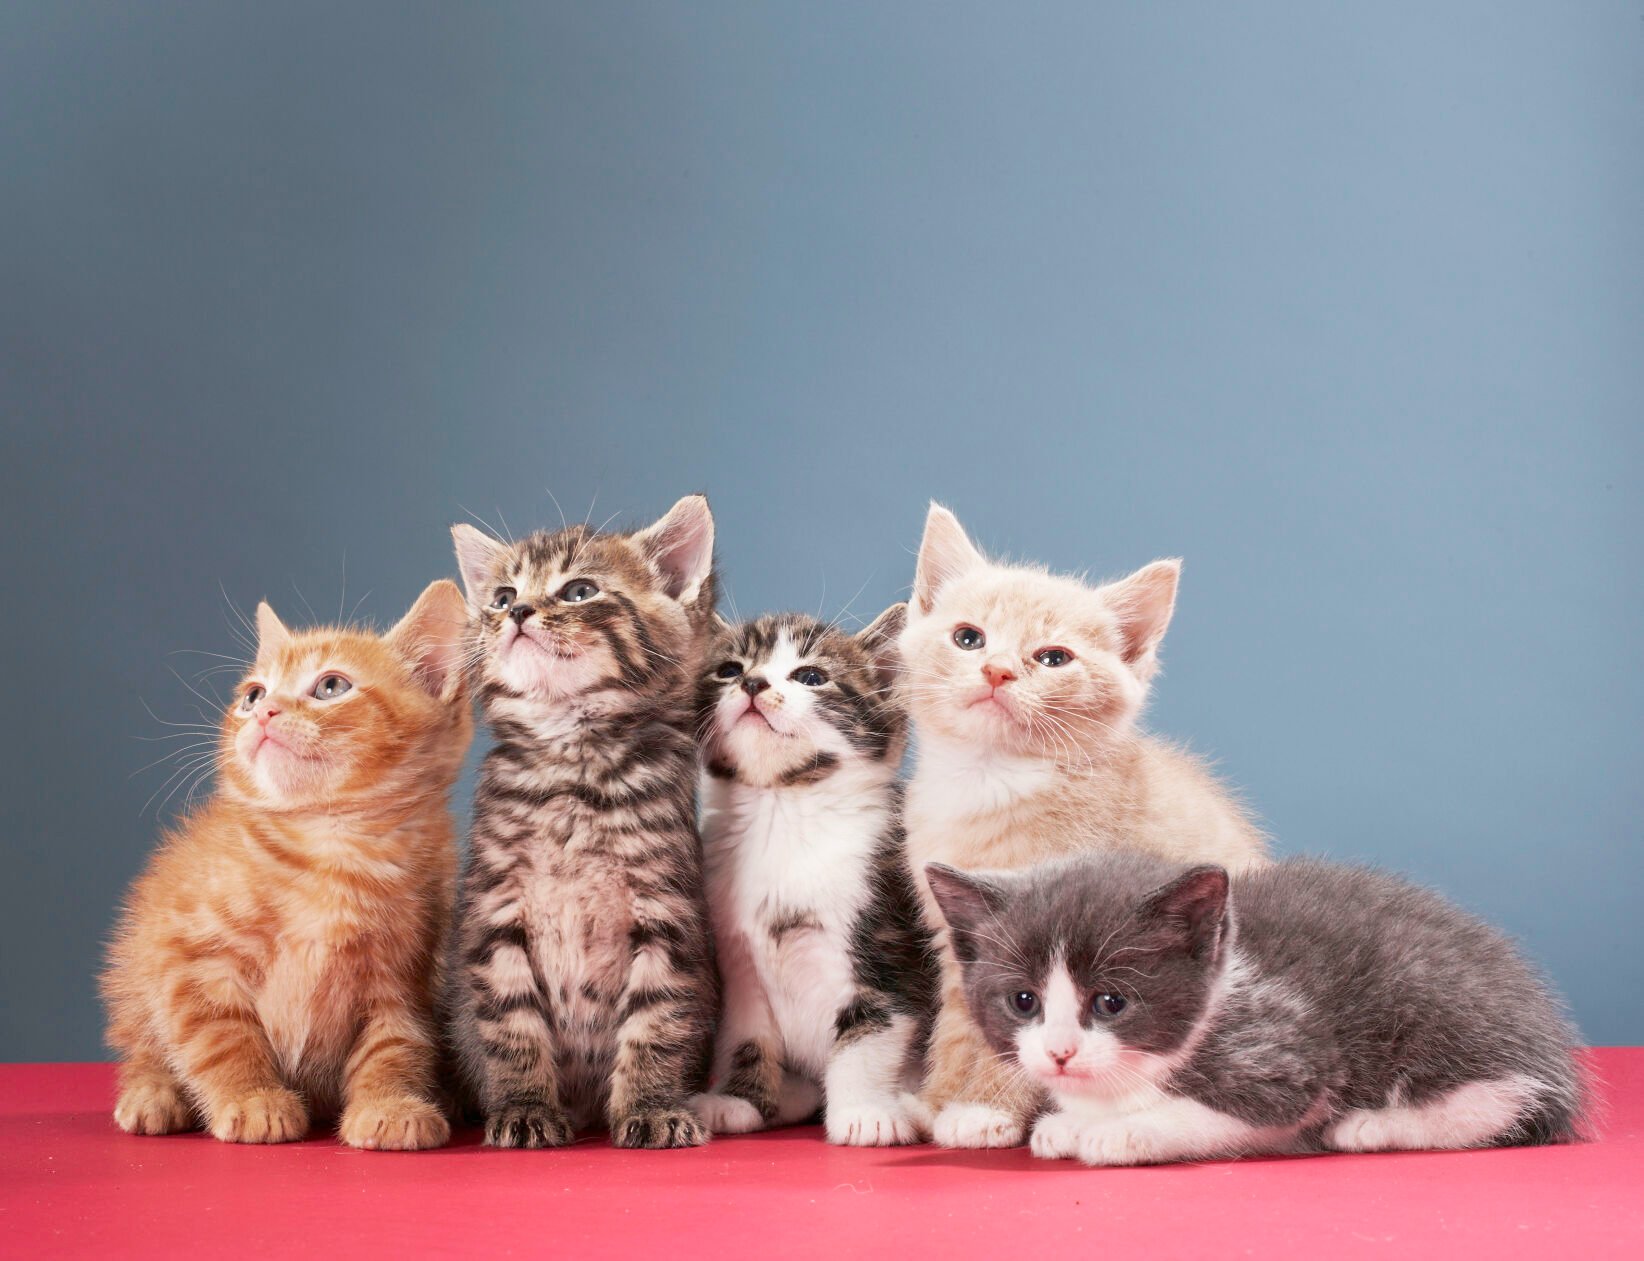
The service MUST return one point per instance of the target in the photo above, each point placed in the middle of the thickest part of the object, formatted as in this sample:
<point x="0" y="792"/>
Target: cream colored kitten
<point x="1024" y="689"/>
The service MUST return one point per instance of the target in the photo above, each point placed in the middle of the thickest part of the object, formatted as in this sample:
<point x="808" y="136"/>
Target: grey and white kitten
<point x="1306" y="1006"/>
<point x="828" y="974"/>
<point x="584" y="987"/>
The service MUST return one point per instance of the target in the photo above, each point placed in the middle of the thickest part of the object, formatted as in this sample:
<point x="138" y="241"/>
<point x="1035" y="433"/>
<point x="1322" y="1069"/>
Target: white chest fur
<point x="788" y="874"/>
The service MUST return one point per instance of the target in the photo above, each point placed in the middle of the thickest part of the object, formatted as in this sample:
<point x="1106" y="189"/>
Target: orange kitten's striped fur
<point x="278" y="959"/>
<point x="1024" y="688"/>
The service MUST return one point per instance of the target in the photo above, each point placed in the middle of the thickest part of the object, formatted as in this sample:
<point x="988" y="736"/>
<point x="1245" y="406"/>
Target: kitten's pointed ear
<point x="1194" y="905"/>
<point x="966" y="900"/>
<point x="944" y="553"/>
<point x="479" y="557"/>
<point x="681" y="545"/>
<point x="1144" y="602"/>
<point x="720" y="624"/>
<point x="879" y="638"/>
<point x="271" y="632"/>
<point x="431" y="637"/>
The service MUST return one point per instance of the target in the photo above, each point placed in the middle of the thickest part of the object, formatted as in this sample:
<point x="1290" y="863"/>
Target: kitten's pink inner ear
<point x="431" y="637"/>
<point x="1145" y="602"/>
<point x="944" y="553"/>
<point x="479" y="557"/>
<point x="682" y="547"/>
<point x="271" y="632"/>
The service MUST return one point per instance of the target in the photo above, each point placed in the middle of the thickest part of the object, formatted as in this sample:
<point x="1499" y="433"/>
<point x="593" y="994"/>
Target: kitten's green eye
<point x="252" y="696"/>
<point x="1108" y="1006"/>
<point x="810" y="676"/>
<point x="969" y="638"/>
<point x="504" y="598"/>
<point x="729" y="670"/>
<point x="578" y="590"/>
<point x="331" y="686"/>
<point x="1053" y="657"/>
<point x="1024" y="1003"/>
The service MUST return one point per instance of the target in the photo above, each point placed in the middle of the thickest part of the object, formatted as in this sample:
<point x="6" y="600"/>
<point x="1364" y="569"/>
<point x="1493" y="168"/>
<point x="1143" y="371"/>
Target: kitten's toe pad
<point x="1055" y="1137"/>
<point x="659" y="1127"/>
<point x="263" y="1116"/>
<point x="394" y="1125"/>
<point x="727" y="1114"/>
<point x="872" y="1124"/>
<point x="976" y="1125"/>
<point x="152" y="1108"/>
<point x="528" y="1124"/>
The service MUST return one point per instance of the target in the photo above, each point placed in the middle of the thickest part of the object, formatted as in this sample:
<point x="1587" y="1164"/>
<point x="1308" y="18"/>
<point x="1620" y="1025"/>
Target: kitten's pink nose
<point x="1060" y="1056"/>
<point x="266" y="714"/>
<point x="997" y="672"/>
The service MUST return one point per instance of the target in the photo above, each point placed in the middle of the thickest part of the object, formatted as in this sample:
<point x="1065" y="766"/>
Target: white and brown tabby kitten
<point x="1024" y="688"/>
<point x="829" y="978"/>
<point x="585" y="987"/>
<point x="1176" y="1015"/>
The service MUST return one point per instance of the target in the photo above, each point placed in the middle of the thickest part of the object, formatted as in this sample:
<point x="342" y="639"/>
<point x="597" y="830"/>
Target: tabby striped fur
<point x="585" y="987"/>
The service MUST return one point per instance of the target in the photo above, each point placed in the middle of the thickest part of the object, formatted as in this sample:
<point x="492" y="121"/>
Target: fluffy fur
<point x="829" y="981"/>
<point x="1303" y="1007"/>
<point x="1024" y="688"/>
<point x="584" y="979"/>
<point x="277" y="960"/>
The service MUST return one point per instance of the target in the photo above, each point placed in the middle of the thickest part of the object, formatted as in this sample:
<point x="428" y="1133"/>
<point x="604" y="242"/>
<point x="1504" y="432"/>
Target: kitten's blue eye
<point x="504" y="598"/>
<point x="1024" y="1002"/>
<point x="331" y="686"/>
<point x="1109" y="1005"/>
<point x="969" y="638"/>
<point x="810" y="676"/>
<point x="252" y="696"/>
<point x="578" y="590"/>
<point x="729" y="670"/>
<point x="1053" y="657"/>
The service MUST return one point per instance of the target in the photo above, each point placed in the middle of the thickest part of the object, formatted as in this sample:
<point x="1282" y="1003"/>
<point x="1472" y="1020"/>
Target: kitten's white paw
<point x="727" y="1114"/>
<point x="1055" y="1137"/>
<point x="1361" y="1130"/>
<point x="1115" y="1143"/>
<point x="872" y="1124"/>
<point x="976" y="1125"/>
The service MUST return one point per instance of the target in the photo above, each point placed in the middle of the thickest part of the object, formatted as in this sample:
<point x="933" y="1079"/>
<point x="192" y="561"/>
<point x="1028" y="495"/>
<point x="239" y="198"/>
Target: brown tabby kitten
<point x="585" y="986"/>
<point x="278" y="959"/>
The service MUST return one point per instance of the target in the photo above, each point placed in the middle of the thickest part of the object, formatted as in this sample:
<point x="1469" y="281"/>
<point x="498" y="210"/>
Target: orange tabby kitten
<point x="1025" y="689"/>
<point x="277" y="960"/>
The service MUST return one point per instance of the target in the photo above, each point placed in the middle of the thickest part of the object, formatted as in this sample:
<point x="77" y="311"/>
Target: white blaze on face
<point x="777" y="727"/>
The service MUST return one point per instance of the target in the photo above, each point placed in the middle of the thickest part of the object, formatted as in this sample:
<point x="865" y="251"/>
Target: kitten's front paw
<point x="872" y="1125"/>
<point x="149" y="1108"/>
<point x="527" y="1124"/>
<point x="1055" y="1137"/>
<point x="659" y="1127"/>
<point x="1115" y="1144"/>
<point x="976" y="1125"/>
<point x="394" y="1125"/>
<point x="263" y="1116"/>
<point x="1361" y="1130"/>
<point x="727" y="1114"/>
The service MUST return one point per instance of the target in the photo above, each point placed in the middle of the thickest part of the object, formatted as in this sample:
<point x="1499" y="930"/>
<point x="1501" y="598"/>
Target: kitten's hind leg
<point x="747" y="1062"/>
<point x="151" y="1099"/>
<point x="866" y="1106"/>
<point x="1473" y="1115"/>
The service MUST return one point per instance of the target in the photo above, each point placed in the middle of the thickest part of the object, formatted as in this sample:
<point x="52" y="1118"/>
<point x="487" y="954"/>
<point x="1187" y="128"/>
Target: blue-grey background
<point x="1344" y="304"/>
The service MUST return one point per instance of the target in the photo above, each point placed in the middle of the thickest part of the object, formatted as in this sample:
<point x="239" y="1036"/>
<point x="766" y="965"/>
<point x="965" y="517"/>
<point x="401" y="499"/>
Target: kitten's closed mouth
<point x="555" y="649"/>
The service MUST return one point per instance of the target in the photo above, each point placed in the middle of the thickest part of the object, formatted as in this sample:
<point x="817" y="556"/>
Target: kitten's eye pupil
<point x="969" y="638"/>
<point x="504" y="598"/>
<point x="729" y="670"/>
<point x="1110" y="1004"/>
<point x="1026" y="1002"/>
<point x="578" y="590"/>
<point x="330" y="686"/>
<point x="1053" y="657"/>
<point x="810" y="676"/>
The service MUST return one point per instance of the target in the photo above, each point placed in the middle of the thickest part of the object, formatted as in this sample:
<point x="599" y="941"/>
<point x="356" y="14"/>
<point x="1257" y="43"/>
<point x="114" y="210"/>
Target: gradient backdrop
<point x="1344" y="304"/>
